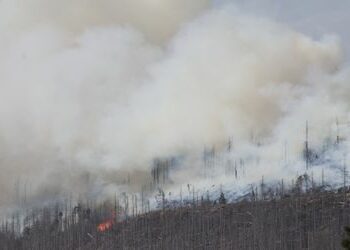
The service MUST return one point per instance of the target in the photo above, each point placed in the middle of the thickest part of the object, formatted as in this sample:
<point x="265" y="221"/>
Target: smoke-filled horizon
<point x="93" y="92"/>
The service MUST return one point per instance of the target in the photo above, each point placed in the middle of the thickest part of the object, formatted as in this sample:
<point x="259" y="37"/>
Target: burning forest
<point x="174" y="124"/>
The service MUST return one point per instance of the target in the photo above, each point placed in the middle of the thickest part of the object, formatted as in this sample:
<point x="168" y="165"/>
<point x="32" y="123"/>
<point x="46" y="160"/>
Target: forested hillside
<point x="312" y="220"/>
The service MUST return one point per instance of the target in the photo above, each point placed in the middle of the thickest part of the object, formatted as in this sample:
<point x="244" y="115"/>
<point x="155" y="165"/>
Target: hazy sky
<point x="314" y="17"/>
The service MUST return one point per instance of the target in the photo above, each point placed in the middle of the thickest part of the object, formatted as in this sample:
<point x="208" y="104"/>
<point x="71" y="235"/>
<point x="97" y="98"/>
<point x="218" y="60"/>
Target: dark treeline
<point x="295" y="220"/>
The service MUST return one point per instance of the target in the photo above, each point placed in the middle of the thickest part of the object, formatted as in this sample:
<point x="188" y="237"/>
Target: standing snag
<point x="222" y="199"/>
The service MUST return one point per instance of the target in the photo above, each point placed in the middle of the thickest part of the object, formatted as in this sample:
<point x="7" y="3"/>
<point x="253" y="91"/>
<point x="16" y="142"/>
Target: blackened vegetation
<point x="297" y="220"/>
<point x="304" y="215"/>
<point x="160" y="171"/>
<point x="346" y="241"/>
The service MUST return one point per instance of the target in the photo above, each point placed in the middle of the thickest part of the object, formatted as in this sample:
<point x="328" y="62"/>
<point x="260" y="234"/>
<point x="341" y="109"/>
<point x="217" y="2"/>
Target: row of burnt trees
<point x="312" y="220"/>
<point x="203" y="223"/>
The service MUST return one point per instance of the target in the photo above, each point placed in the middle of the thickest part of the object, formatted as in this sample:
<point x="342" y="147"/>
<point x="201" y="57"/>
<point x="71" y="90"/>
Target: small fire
<point x="107" y="225"/>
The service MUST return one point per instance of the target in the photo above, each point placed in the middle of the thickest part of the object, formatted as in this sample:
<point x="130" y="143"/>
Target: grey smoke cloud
<point x="157" y="20"/>
<point x="92" y="92"/>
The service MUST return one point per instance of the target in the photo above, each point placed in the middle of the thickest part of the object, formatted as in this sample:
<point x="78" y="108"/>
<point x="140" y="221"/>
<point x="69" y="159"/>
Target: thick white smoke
<point x="93" y="92"/>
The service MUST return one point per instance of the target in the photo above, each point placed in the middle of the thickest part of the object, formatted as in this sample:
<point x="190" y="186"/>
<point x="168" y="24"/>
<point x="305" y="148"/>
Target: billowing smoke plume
<point x="93" y="91"/>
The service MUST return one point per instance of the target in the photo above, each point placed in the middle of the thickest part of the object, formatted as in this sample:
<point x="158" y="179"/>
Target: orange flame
<point x="107" y="225"/>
